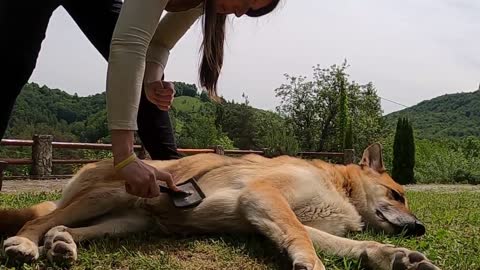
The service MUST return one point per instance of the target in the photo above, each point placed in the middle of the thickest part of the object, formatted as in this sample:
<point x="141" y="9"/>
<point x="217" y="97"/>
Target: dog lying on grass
<point x="298" y="204"/>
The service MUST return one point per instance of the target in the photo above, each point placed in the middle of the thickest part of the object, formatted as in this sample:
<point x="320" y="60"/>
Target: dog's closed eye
<point x="397" y="196"/>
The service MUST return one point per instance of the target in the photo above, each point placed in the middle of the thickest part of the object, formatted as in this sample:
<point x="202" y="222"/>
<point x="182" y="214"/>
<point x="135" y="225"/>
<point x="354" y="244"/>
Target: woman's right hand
<point x="141" y="179"/>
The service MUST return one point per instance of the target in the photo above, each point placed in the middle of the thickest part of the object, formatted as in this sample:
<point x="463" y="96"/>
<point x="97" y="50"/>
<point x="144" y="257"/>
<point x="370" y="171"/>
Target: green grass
<point x="452" y="241"/>
<point x="187" y="104"/>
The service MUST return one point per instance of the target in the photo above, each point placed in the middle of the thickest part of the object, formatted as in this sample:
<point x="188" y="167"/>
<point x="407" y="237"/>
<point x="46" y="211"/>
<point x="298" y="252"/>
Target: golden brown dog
<point x="298" y="204"/>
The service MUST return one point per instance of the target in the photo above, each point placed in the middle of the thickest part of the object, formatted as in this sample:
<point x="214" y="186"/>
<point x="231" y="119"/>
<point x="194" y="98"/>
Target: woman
<point x="24" y="26"/>
<point x="138" y="55"/>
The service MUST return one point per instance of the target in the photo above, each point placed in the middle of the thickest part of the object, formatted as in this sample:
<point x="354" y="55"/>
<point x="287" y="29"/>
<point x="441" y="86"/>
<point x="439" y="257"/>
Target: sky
<point x="411" y="50"/>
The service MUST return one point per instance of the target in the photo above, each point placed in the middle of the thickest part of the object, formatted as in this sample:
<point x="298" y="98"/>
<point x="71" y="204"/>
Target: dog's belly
<point x="217" y="213"/>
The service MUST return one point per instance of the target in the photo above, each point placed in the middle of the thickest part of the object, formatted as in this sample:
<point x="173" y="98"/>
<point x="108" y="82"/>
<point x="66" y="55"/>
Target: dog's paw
<point x="388" y="257"/>
<point x="405" y="259"/>
<point x="21" y="249"/>
<point x="59" y="245"/>
<point x="318" y="265"/>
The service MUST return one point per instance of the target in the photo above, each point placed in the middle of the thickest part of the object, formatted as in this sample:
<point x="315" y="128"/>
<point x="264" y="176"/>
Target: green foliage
<point x="52" y="111"/>
<point x="447" y="161"/>
<point x="185" y="89"/>
<point x="224" y="141"/>
<point x="238" y="123"/>
<point x="204" y="97"/>
<point x="349" y="136"/>
<point x="276" y="136"/>
<point x="187" y="104"/>
<point x="403" y="153"/>
<point x="343" y="115"/>
<point x="447" y="116"/>
<point x="312" y="108"/>
<point x="196" y="129"/>
<point x="442" y="161"/>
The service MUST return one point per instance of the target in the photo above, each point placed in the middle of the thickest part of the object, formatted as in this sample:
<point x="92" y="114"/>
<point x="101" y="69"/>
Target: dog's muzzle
<point x="415" y="229"/>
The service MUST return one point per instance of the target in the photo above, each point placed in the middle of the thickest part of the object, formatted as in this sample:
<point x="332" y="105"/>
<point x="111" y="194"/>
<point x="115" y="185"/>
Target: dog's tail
<point x="12" y="220"/>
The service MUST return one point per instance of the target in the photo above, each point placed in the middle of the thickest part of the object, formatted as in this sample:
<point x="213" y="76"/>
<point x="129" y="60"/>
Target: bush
<point x="403" y="163"/>
<point x="442" y="160"/>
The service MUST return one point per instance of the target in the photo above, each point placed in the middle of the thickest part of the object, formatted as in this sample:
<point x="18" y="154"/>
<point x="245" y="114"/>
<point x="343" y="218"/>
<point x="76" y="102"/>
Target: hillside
<point x="187" y="104"/>
<point x="452" y="115"/>
<point x="41" y="110"/>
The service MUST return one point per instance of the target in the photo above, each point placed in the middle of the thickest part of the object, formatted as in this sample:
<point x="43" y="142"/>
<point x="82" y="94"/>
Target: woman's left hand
<point x="161" y="94"/>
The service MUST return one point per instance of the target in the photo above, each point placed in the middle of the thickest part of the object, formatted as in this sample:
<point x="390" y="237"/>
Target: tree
<point x="314" y="110"/>
<point x="200" y="132"/>
<point x="366" y="112"/>
<point x="343" y="115"/>
<point x="403" y="153"/>
<point x="185" y="89"/>
<point x="204" y="97"/>
<point x="238" y="122"/>
<point x="348" y="143"/>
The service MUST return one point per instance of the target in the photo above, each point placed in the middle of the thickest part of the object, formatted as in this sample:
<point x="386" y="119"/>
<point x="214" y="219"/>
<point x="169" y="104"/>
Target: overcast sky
<point x="411" y="50"/>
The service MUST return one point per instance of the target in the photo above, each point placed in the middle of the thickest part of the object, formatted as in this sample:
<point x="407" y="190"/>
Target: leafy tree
<point x="238" y="122"/>
<point x="403" y="153"/>
<point x="279" y="139"/>
<point x="204" y="97"/>
<point x="185" y="89"/>
<point x="312" y="108"/>
<point x="348" y="144"/>
<point x="343" y="115"/>
<point x="199" y="133"/>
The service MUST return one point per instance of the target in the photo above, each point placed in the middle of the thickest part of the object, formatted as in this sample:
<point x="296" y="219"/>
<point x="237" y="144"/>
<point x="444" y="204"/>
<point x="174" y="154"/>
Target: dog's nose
<point x="415" y="229"/>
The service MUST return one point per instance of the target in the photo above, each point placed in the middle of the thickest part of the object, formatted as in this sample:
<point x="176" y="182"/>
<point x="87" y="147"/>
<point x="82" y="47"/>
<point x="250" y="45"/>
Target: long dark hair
<point x="213" y="41"/>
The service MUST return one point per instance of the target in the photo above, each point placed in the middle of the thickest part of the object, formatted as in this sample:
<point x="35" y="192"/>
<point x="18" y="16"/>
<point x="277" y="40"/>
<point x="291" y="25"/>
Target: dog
<point x="299" y="204"/>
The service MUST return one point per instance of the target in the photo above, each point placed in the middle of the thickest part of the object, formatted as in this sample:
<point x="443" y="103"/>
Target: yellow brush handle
<point x="125" y="162"/>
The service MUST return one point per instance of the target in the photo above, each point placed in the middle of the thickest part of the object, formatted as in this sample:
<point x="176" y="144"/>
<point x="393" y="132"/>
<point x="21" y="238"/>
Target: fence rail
<point x="42" y="154"/>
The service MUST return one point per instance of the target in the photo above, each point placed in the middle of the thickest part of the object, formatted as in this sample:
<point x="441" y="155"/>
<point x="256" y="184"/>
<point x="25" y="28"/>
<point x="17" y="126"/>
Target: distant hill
<point x="187" y="104"/>
<point x="67" y="117"/>
<point x="452" y="115"/>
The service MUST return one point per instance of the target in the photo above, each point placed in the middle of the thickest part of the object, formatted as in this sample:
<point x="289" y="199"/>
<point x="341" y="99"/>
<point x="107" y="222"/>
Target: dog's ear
<point x="372" y="157"/>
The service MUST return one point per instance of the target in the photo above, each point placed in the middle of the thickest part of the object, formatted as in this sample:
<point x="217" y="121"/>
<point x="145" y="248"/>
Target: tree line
<point x="326" y="112"/>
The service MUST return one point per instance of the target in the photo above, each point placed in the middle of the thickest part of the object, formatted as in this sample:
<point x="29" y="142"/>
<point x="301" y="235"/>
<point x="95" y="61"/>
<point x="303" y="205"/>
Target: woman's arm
<point x="140" y="42"/>
<point x="135" y="29"/>
<point x="176" y="24"/>
<point x="133" y="32"/>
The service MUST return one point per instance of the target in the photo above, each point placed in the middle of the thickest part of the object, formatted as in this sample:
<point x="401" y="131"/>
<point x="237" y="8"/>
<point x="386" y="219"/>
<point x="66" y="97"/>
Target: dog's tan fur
<point x="298" y="204"/>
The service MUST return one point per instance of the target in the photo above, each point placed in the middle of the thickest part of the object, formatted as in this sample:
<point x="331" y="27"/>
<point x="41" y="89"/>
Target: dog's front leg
<point x="24" y="246"/>
<point x="373" y="254"/>
<point x="267" y="209"/>
<point x="60" y="241"/>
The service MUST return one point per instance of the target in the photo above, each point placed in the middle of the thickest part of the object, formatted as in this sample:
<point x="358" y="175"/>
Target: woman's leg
<point x="23" y="27"/>
<point x="97" y="19"/>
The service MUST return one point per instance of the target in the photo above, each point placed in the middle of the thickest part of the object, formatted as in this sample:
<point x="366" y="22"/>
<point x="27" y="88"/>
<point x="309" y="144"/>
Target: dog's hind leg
<point x="24" y="246"/>
<point x="373" y="254"/>
<point x="267" y="209"/>
<point x="60" y="241"/>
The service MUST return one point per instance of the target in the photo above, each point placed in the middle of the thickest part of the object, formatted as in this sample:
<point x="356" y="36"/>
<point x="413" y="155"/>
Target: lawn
<point x="187" y="104"/>
<point x="452" y="241"/>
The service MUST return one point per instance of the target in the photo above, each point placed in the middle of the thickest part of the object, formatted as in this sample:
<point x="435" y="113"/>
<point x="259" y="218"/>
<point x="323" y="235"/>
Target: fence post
<point x="42" y="153"/>
<point x="3" y="165"/>
<point x="219" y="150"/>
<point x="348" y="156"/>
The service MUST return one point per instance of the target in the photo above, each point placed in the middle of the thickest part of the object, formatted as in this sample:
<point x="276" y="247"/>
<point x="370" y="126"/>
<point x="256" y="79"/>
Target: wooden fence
<point x="42" y="159"/>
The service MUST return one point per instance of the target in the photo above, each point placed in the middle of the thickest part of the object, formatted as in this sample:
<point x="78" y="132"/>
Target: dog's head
<point x="385" y="207"/>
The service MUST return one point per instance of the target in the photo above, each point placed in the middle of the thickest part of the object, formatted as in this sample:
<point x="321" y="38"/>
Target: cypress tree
<point x="403" y="153"/>
<point x="349" y="136"/>
<point x="343" y="112"/>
